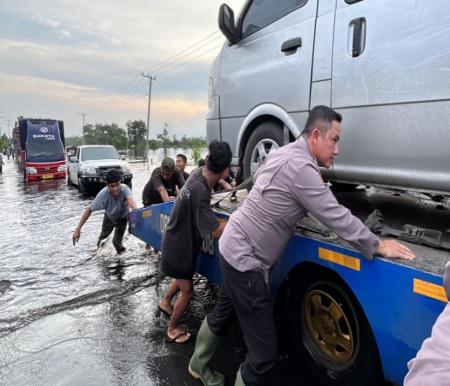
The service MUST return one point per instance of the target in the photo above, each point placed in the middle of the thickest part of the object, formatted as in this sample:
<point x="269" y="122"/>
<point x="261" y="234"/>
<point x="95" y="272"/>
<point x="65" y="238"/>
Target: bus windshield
<point x="44" y="142"/>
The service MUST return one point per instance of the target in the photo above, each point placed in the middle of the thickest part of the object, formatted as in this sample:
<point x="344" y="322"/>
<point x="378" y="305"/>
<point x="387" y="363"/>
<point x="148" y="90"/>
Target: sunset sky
<point x="60" y="58"/>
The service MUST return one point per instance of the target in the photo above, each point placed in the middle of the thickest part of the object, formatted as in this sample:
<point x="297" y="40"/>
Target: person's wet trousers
<point x="245" y="295"/>
<point x="108" y="226"/>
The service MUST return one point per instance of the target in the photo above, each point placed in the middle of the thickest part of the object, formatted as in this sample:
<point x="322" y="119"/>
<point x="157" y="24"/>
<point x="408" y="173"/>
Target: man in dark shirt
<point x="164" y="183"/>
<point x="181" y="162"/>
<point x="191" y="220"/>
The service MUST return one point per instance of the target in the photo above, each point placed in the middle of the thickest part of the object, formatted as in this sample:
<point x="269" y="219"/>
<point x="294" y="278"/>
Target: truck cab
<point x="39" y="148"/>
<point x="88" y="167"/>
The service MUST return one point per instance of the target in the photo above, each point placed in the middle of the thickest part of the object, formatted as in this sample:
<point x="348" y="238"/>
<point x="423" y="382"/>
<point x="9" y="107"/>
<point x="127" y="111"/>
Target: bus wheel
<point x="329" y="332"/>
<point x="266" y="137"/>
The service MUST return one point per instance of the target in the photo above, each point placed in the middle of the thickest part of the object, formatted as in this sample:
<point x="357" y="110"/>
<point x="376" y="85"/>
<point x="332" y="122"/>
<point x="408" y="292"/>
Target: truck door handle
<point x="290" y="46"/>
<point x="359" y="36"/>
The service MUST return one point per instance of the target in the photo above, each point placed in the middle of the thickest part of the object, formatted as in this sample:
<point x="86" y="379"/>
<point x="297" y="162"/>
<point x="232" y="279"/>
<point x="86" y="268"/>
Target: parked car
<point x="384" y="65"/>
<point x="88" y="167"/>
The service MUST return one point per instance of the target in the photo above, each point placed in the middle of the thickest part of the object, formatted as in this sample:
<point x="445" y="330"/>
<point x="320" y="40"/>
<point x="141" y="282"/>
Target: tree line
<point x="133" y="137"/>
<point x="4" y="142"/>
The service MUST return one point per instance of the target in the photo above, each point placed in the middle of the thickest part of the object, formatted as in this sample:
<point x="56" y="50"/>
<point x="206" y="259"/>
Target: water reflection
<point x="43" y="186"/>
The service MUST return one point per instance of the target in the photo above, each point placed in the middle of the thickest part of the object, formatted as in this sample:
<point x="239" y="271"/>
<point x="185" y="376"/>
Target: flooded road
<point x="70" y="317"/>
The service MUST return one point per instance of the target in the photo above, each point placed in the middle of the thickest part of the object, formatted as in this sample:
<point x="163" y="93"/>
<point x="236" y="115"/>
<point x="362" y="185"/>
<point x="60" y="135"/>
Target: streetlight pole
<point x="151" y="79"/>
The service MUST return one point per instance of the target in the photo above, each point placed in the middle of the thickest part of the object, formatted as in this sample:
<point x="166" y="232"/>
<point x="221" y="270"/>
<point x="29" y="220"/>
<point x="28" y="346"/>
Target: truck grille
<point x="47" y="169"/>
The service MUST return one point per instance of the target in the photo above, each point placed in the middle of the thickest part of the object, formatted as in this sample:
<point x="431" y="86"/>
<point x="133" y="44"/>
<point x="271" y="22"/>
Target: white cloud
<point x="46" y="21"/>
<point x="65" y="33"/>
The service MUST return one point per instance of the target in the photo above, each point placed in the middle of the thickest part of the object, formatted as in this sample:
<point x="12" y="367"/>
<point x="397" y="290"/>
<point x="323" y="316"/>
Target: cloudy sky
<point x="60" y="58"/>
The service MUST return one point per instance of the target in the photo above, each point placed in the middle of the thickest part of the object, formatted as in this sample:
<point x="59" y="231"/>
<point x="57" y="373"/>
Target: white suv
<point x="88" y="167"/>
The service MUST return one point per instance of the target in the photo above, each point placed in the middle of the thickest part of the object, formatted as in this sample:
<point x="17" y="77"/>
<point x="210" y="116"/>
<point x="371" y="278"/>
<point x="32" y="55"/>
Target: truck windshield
<point x="44" y="143"/>
<point x="95" y="153"/>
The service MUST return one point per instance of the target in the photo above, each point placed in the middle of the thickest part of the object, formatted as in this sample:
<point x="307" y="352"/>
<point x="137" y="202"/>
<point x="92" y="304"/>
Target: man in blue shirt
<point x="116" y="199"/>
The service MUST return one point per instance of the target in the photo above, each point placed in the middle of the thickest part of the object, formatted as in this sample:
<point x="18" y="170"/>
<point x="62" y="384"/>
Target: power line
<point x="184" y="52"/>
<point x="188" y="61"/>
<point x="164" y="66"/>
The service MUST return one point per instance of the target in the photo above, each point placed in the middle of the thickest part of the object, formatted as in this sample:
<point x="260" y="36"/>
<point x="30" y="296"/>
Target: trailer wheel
<point x="266" y="137"/>
<point x="329" y="332"/>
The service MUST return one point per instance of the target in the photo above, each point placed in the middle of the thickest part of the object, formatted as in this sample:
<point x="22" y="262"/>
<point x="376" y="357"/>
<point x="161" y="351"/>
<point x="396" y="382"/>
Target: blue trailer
<point x="350" y="320"/>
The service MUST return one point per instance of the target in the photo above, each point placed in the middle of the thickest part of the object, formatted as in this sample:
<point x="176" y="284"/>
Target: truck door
<point x="390" y="79"/>
<point x="270" y="64"/>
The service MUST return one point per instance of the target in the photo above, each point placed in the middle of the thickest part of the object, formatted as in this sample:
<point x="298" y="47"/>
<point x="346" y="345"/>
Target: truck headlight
<point x="61" y="168"/>
<point x="31" y="170"/>
<point x="88" y="170"/>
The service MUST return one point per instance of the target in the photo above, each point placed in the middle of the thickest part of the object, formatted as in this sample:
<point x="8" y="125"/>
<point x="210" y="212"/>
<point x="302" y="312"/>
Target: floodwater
<point x="69" y="316"/>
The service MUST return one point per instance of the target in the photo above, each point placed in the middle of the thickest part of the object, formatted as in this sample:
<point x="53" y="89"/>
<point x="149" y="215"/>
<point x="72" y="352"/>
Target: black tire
<point x="270" y="134"/>
<point x="129" y="184"/>
<point x="81" y="188"/>
<point x="315" y="341"/>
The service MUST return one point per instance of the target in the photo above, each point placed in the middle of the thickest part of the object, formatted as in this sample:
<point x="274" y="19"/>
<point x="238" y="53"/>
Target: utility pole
<point x="151" y="79"/>
<point x="82" y="127"/>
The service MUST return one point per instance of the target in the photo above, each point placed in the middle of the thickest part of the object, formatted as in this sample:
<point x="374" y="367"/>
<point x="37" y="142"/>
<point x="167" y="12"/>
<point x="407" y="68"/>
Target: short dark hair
<point x="201" y="162"/>
<point x="219" y="157"/>
<point x="113" y="175"/>
<point x="321" y="117"/>
<point x="183" y="157"/>
<point x="168" y="164"/>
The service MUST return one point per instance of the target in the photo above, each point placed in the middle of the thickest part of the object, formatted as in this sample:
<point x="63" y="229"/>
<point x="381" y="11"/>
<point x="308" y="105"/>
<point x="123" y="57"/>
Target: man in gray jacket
<point x="286" y="187"/>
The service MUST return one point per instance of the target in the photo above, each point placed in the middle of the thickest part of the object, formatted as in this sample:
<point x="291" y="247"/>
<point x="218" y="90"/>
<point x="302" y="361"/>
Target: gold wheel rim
<point x="328" y="327"/>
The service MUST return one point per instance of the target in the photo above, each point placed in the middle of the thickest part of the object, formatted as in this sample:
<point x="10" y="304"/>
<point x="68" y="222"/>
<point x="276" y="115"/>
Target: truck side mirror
<point x="73" y="159"/>
<point x="226" y="23"/>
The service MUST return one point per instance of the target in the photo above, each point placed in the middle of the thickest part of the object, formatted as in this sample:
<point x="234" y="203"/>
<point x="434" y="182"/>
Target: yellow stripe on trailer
<point x="340" y="258"/>
<point x="430" y="290"/>
<point x="147" y="213"/>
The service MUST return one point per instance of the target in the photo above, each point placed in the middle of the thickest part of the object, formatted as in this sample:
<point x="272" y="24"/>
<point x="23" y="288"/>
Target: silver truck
<point x="88" y="167"/>
<point x="384" y="65"/>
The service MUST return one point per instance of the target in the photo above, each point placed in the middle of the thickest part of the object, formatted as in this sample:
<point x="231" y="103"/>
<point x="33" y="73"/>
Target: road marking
<point x="340" y="258"/>
<point x="430" y="290"/>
